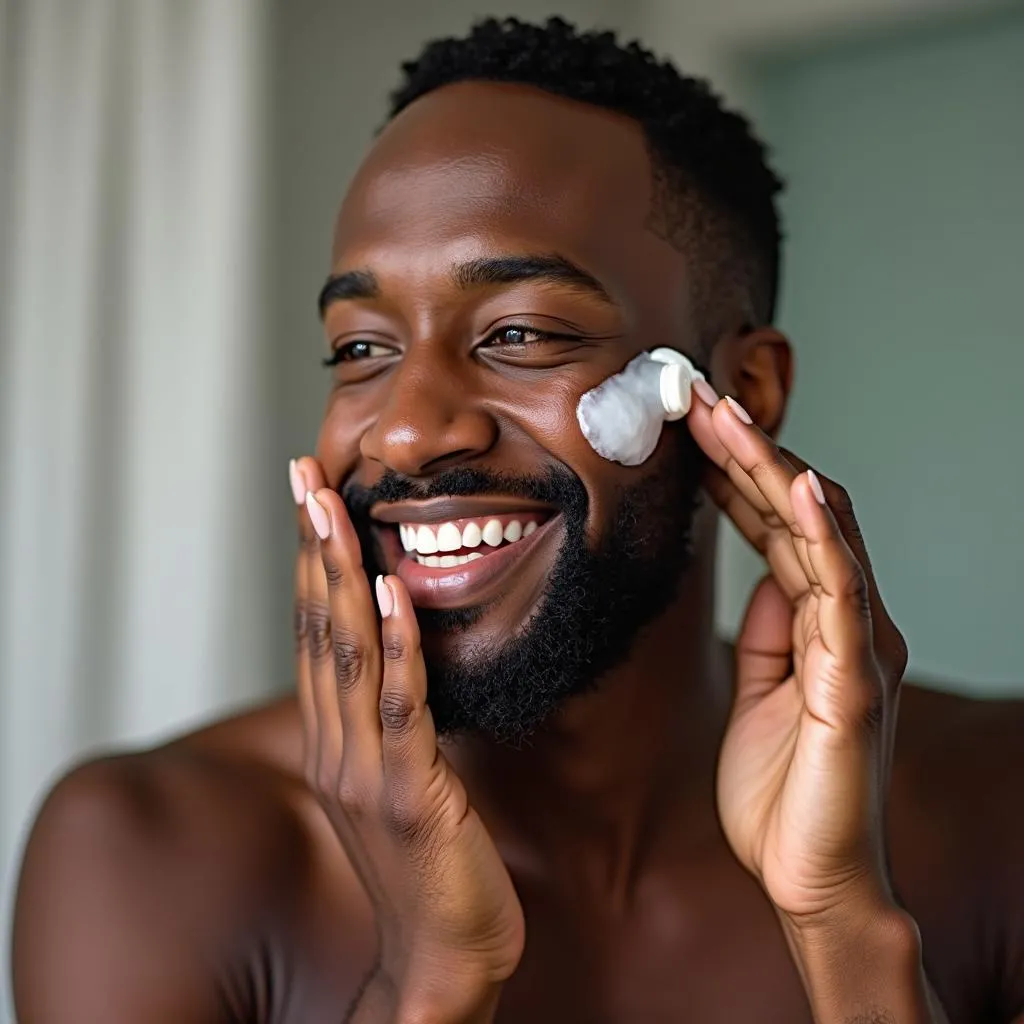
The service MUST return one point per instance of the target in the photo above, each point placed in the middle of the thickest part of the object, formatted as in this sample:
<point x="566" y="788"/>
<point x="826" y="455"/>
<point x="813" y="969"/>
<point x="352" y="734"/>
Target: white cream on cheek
<point x="622" y="417"/>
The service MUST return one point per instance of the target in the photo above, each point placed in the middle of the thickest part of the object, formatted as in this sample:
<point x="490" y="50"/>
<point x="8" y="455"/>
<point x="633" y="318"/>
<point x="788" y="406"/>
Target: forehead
<point x="474" y="167"/>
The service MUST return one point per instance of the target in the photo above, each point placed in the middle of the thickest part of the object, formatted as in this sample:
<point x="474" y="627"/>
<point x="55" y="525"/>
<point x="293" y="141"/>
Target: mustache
<point x="558" y="487"/>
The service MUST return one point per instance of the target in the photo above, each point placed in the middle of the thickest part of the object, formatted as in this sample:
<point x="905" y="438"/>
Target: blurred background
<point x="169" y="172"/>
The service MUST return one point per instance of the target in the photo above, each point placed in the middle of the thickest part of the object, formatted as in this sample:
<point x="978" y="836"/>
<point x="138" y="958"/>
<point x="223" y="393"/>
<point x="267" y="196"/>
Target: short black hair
<point x="714" y="190"/>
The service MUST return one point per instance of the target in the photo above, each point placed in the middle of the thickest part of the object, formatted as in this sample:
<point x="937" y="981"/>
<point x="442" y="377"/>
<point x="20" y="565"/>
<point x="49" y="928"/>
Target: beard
<point x="594" y="605"/>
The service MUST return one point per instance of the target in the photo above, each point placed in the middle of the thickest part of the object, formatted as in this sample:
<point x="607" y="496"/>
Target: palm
<point x="777" y="802"/>
<point x="478" y="897"/>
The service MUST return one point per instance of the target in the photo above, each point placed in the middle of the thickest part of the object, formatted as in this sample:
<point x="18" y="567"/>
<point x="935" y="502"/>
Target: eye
<point x="521" y="336"/>
<point x="358" y="351"/>
<point x="511" y="335"/>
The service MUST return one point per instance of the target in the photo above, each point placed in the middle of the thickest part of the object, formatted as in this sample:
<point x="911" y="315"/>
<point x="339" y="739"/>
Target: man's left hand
<point x="804" y="766"/>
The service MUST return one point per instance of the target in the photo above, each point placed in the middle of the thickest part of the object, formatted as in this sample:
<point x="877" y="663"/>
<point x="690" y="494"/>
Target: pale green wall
<point x="904" y="294"/>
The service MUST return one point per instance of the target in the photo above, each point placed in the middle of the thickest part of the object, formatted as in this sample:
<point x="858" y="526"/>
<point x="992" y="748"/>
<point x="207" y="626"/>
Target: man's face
<point x="492" y="262"/>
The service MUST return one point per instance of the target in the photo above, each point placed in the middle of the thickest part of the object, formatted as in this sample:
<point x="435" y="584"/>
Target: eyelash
<point x="339" y="354"/>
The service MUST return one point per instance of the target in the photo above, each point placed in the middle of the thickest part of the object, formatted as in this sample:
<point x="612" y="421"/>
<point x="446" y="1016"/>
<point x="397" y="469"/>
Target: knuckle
<point x="318" y="631"/>
<point x="393" y="648"/>
<point x="401" y="819"/>
<point x="855" y="590"/>
<point x="333" y="572"/>
<point x="861" y="696"/>
<point x="300" y="624"/>
<point x="898" y="653"/>
<point x="352" y="798"/>
<point x="873" y="710"/>
<point x="902" y="652"/>
<point x="311" y="774"/>
<point x="349" y="659"/>
<point x="398" y="712"/>
<point x="324" y="778"/>
<point x="405" y="820"/>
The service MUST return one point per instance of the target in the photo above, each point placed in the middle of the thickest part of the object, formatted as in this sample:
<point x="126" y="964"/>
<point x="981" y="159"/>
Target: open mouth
<point x="458" y="552"/>
<point x="460" y="541"/>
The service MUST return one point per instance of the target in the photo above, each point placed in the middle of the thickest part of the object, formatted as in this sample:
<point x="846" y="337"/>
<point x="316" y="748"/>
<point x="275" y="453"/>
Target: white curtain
<point x="133" y="399"/>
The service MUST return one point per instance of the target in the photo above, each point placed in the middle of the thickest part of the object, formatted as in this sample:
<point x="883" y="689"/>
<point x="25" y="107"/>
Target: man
<point x="520" y="779"/>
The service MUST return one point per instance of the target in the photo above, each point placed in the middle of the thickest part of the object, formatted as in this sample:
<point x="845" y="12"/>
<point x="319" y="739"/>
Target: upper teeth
<point x="429" y="540"/>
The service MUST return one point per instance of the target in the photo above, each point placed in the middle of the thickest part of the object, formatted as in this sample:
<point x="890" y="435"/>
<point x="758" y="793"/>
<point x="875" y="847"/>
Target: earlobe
<point x="757" y="367"/>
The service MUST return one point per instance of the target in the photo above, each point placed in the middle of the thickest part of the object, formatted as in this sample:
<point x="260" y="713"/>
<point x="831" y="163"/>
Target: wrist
<point x="447" y="1008"/>
<point x="862" y="962"/>
<point x="448" y="993"/>
<point x="862" y="906"/>
<point x="881" y="931"/>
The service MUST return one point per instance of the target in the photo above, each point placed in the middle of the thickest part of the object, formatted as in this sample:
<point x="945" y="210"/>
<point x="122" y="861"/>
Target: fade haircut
<point x="714" y="192"/>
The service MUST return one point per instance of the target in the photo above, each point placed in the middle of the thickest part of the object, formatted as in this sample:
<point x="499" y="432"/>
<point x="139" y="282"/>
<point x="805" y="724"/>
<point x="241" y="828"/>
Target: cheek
<point x="547" y="414"/>
<point x="337" y="441"/>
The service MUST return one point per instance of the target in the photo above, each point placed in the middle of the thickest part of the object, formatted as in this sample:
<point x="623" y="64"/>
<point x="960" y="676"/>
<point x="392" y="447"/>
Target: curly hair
<point x="714" y="192"/>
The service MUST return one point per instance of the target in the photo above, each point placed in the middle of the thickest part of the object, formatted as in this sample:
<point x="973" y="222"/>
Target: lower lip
<point x="473" y="582"/>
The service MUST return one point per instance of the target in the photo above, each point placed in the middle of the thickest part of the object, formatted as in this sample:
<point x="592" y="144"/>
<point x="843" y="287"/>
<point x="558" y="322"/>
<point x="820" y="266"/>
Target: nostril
<point x="447" y="460"/>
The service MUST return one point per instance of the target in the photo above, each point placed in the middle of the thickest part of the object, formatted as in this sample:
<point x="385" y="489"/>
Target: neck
<point x="622" y="770"/>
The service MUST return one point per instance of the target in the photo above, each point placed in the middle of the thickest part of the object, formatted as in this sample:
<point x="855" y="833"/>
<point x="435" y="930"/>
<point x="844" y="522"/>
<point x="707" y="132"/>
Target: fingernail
<point x="298" y="484"/>
<point x="705" y="392"/>
<point x="385" y="599"/>
<point x="318" y="516"/>
<point x="741" y="414"/>
<point x="819" y="494"/>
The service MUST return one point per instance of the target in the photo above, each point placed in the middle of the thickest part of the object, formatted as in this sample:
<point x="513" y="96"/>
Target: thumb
<point x="764" y="649"/>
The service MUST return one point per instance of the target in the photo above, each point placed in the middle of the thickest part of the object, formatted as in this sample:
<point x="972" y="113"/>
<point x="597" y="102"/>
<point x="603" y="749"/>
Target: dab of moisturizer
<point x="622" y="417"/>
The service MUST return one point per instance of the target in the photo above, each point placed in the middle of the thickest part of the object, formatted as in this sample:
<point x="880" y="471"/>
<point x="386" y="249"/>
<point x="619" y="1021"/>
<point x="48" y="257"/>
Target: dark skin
<point x="253" y="870"/>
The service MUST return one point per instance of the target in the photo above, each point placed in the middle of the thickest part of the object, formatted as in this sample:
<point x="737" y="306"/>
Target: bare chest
<point x="721" y="961"/>
<point x="664" y="964"/>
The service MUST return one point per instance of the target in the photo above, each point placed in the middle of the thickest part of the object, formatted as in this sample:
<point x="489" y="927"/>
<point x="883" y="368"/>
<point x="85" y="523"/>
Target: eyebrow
<point x="491" y="270"/>
<point x="353" y="284"/>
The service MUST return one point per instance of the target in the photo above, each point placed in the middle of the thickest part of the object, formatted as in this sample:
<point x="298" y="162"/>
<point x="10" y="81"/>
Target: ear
<point x="756" y="368"/>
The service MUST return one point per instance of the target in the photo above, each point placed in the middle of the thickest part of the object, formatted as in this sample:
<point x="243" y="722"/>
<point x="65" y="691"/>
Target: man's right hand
<point x="450" y="925"/>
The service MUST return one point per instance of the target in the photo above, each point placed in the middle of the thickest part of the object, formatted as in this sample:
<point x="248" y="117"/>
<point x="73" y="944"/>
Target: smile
<point x="460" y="541"/>
<point x="461" y="552"/>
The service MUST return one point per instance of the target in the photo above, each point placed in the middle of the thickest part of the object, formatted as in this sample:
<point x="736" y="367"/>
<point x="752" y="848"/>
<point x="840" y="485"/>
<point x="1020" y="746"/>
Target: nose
<point x="431" y="421"/>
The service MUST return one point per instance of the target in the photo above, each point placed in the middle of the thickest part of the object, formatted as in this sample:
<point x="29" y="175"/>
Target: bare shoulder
<point x="194" y="881"/>
<point x="956" y="827"/>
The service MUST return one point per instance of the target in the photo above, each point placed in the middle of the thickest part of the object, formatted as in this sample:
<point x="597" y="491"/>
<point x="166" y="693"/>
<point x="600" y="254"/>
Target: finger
<point x="305" y="474"/>
<point x="318" y="705"/>
<point x="844" y="614"/>
<point x="764" y="647"/>
<point x="330" y="737"/>
<point x="756" y="459"/>
<point x="300" y="626"/>
<point x="771" y="541"/>
<point x="355" y="634"/>
<point x="736" y="493"/>
<point x="698" y="420"/>
<point x="746" y="456"/>
<point x="409" y="738"/>
<point x="320" y="654"/>
<point x="838" y="500"/>
<point x="840" y="506"/>
<point x="891" y="647"/>
<point x="702" y="423"/>
<point x="753" y="456"/>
